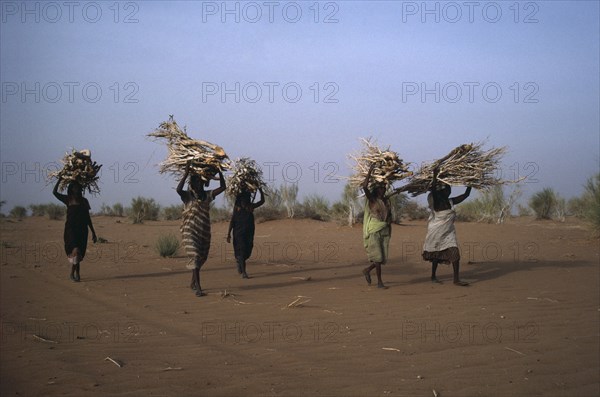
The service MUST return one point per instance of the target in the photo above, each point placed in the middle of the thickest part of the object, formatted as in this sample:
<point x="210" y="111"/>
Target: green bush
<point x="115" y="210"/>
<point x="491" y="206"/>
<point x="587" y="206"/>
<point x="315" y="207"/>
<point x="18" y="212"/>
<point x="172" y="212"/>
<point x="55" y="211"/>
<point x="118" y="210"/>
<point x="143" y="209"/>
<point x="398" y="203"/>
<point x="272" y="209"/>
<point x="544" y="204"/>
<point x="38" y="209"/>
<point x="288" y="198"/>
<point x="523" y="210"/>
<point x="167" y="245"/>
<point x="413" y="211"/>
<point x="218" y="214"/>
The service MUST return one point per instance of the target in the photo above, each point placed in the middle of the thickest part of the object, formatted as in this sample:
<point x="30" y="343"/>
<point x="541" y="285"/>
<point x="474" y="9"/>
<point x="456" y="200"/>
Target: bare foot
<point x="435" y="280"/>
<point x="380" y="285"/>
<point x="461" y="283"/>
<point x="367" y="276"/>
<point x="199" y="293"/>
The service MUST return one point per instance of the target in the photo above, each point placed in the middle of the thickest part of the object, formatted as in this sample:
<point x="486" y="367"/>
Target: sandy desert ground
<point x="528" y="325"/>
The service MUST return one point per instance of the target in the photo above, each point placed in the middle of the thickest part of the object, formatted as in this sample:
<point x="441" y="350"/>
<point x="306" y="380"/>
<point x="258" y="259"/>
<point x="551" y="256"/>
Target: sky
<point x="294" y="85"/>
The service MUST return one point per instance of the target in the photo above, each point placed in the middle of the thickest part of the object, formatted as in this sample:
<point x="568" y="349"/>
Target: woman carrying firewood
<point x="76" y="225"/>
<point x="377" y="228"/>
<point x="242" y="224"/>
<point x="440" y="243"/>
<point x="195" y="227"/>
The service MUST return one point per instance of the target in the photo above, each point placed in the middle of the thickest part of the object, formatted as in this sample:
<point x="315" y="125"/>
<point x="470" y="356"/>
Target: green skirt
<point x="377" y="245"/>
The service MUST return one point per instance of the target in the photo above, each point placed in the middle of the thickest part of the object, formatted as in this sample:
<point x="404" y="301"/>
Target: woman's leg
<point x="455" y="267"/>
<point x="75" y="259"/>
<point x="367" y="272"/>
<point x="434" y="266"/>
<point x="378" y="271"/>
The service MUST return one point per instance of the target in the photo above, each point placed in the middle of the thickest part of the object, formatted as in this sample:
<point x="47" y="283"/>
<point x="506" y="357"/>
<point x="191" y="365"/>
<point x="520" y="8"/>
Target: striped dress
<point x="195" y="227"/>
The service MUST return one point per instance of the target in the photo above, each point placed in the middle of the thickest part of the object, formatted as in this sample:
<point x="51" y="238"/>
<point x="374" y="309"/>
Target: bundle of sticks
<point x="465" y="165"/>
<point x="389" y="167"/>
<point x="78" y="167"/>
<point x="247" y="176"/>
<point x="205" y="158"/>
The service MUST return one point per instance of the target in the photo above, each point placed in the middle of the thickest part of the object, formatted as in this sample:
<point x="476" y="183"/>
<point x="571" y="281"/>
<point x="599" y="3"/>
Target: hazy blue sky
<point x="361" y="68"/>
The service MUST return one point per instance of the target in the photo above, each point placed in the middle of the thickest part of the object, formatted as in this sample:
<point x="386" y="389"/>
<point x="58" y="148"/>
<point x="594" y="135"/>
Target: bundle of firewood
<point x="389" y="167"/>
<point x="247" y="176"/>
<point x="205" y="158"/>
<point x="78" y="167"/>
<point x="466" y="165"/>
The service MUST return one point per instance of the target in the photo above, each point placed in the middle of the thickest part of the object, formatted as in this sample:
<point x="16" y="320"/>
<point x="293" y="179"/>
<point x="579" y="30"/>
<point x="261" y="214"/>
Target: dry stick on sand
<point x="246" y="176"/>
<point x="43" y="339"/>
<point x="298" y="302"/>
<point x="115" y="362"/>
<point x="78" y="167"/>
<point x="389" y="167"/>
<point x="205" y="158"/>
<point x="465" y="165"/>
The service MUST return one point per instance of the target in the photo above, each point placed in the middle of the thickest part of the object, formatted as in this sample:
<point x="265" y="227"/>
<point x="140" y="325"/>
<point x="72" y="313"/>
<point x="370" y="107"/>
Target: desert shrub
<point x="272" y="208"/>
<point x="18" y="212"/>
<point x="38" y="209"/>
<point x="288" y="198"/>
<point x="218" y="214"/>
<point x="523" y="210"/>
<point x="491" y="206"/>
<point x="315" y="207"/>
<point x="544" y="204"/>
<point x="414" y="211"/>
<point x="576" y="206"/>
<point x="116" y="210"/>
<point x="339" y="213"/>
<point x="143" y="209"/>
<point x="105" y="210"/>
<point x="172" y="212"/>
<point x="398" y="203"/>
<point x="352" y="203"/>
<point x="587" y="206"/>
<point x="167" y="245"/>
<point x="55" y="211"/>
